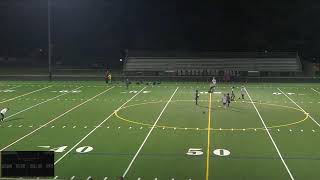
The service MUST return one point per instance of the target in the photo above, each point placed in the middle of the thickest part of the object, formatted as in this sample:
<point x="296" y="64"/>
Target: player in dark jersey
<point x="127" y="83"/>
<point x="106" y="76"/>
<point x="197" y="97"/>
<point x="233" y="96"/>
<point x="228" y="100"/>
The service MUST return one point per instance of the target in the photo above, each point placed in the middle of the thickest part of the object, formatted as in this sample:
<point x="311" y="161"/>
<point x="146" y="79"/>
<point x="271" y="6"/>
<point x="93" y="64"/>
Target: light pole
<point x="49" y="41"/>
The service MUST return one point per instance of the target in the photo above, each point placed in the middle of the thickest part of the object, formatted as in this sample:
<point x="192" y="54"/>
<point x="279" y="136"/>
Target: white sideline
<point x="40" y="103"/>
<point x="274" y="144"/>
<point x="55" y="119"/>
<point x="85" y="137"/>
<point x="145" y="140"/>
<point x="315" y="91"/>
<point x="299" y="107"/>
<point x="25" y="94"/>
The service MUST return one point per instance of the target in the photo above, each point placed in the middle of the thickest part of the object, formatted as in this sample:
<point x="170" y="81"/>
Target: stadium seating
<point x="239" y="61"/>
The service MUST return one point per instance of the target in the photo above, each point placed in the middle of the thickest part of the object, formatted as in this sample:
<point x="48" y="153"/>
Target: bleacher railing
<point x="167" y="78"/>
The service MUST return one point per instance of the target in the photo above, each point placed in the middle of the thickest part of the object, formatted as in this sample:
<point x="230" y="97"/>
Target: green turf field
<point x="157" y="132"/>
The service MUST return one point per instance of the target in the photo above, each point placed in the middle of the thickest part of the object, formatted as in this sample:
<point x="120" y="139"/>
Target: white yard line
<point x="85" y="137"/>
<point x="274" y="144"/>
<point x="25" y="94"/>
<point x="316" y="91"/>
<point x="26" y="178"/>
<point x="14" y="87"/>
<point x="299" y="107"/>
<point x="40" y="103"/>
<point x="146" y="138"/>
<point x="75" y="107"/>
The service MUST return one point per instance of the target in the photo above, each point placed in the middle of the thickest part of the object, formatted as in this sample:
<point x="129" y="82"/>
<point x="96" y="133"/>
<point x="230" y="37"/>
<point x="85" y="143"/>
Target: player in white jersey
<point x="224" y="101"/>
<point x="242" y="91"/>
<point x="3" y="112"/>
<point x="213" y="84"/>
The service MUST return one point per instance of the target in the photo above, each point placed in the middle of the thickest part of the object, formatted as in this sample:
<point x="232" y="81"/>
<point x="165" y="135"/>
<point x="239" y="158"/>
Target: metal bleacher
<point x="139" y="61"/>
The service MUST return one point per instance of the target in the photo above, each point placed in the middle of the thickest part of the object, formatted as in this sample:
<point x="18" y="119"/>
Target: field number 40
<point x="83" y="149"/>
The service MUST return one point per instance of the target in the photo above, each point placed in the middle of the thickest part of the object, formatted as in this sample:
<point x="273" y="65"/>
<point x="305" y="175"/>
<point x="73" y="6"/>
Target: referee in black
<point x="197" y="97"/>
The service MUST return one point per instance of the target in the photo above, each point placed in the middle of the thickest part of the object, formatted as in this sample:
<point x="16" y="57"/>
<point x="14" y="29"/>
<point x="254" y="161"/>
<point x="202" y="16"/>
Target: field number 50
<point x="195" y="152"/>
<point x="199" y="152"/>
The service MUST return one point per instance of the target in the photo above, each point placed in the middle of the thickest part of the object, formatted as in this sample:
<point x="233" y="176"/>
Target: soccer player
<point x="109" y="77"/>
<point x="224" y="101"/>
<point x="232" y="94"/>
<point x="3" y="112"/>
<point x="242" y="91"/>
<point x="228" y="99"/>
<point x="106" y="76"/>
<point x="213" y="84"/>
<point x="197" y="97"/>
<point x="127" y="83"/>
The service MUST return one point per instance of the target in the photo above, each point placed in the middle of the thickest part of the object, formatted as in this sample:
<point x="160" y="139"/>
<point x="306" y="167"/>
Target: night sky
<point x="101" y="28"/>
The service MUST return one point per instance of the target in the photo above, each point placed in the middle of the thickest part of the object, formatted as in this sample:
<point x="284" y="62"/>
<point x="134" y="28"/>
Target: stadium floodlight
<point x="49" y="41"/>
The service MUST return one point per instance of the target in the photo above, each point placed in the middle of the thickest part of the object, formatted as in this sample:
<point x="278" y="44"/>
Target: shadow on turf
<point x="215" y="108"/>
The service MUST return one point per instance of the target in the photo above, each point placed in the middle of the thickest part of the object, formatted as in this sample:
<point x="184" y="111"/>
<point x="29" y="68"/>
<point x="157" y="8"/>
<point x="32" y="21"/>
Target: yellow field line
<point x="209" y="130"/>
<point x="212" y="129"/>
